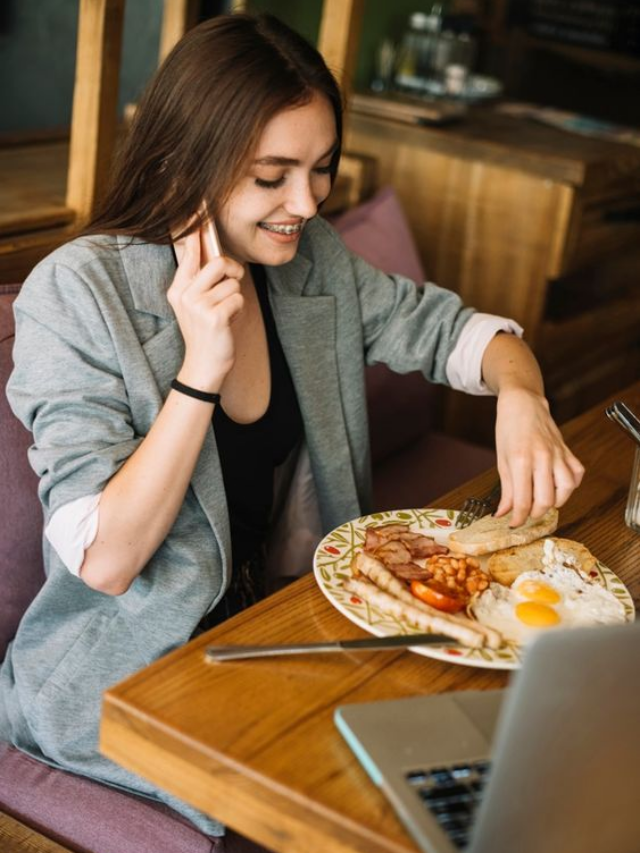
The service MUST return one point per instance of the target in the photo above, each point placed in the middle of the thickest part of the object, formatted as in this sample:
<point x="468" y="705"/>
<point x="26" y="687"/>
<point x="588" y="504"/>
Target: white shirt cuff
<point x="464" y="365"/>
<point x="72" y="529"/>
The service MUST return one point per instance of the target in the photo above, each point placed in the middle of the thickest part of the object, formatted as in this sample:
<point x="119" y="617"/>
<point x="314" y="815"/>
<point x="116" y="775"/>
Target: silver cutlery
<point x="475" y="508"/>
<point x="621" y="414"/>
<point x="225" y="653"/>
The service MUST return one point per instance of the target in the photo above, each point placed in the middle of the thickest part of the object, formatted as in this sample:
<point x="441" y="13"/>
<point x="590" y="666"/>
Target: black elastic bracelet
<point x="205" y="396"/>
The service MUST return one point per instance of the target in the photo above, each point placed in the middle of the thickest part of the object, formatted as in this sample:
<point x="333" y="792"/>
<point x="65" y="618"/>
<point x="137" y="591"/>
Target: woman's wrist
<point x="508" y="364"/>
<point x="194" y="378"/>
<point x="518" y="388"/>
<point x="195" y="393"/>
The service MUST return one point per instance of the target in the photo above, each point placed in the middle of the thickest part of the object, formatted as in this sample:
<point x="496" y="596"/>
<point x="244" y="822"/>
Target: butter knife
<point x="222" y="653"/>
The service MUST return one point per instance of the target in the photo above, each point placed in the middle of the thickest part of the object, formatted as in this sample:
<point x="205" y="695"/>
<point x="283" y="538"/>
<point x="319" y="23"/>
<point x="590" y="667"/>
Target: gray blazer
<point x="97" y="346"/>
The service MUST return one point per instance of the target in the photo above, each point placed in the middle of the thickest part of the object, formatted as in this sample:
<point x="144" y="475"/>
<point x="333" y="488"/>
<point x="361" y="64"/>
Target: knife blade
<point x="224" y="653"/>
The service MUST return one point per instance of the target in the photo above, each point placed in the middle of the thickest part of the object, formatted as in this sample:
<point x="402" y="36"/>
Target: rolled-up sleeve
<point x="72" y="529"/>
<point x="464" y="365"/>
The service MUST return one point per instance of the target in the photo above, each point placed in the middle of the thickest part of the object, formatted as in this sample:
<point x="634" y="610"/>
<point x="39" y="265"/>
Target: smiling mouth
<point x="282" y="229"/>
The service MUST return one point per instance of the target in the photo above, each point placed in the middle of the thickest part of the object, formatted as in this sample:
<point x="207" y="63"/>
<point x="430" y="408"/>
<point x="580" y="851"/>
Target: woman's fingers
<point x="207" y="288"/>
<point x="206" y="298"/>
<point x="537" y="469"/>
<point x="521" y="490"/>
<point x="216" y="271"/>
<point x="544" y="489"/>
<point x="532" y="489"/>
<point x="232" y="306"/>
<point x="576" y="467"/>
<point x="506" y="487"/>
<point x="568" y="476"/>
<point x="193" y="275"/>
<point x="188" y="268"/>
<point x="214" y="295"/>
<point x="189" y="264"/>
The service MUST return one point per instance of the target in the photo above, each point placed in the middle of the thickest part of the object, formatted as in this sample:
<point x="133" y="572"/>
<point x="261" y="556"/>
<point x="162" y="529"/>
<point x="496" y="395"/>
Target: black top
<point x="249" y="453"/>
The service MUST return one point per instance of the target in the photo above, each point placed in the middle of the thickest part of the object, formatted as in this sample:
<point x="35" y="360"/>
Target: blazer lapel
<point x="307" y="329"/>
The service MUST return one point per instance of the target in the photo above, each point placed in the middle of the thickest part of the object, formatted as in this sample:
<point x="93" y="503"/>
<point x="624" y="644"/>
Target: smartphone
<point x="211" y="234"/>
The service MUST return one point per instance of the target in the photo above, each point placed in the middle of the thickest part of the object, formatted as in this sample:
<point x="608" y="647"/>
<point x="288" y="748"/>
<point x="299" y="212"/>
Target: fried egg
<point x="556" y="596"/>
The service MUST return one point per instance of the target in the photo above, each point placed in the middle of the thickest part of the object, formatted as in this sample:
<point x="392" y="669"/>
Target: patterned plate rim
<point x="331" y="567"/>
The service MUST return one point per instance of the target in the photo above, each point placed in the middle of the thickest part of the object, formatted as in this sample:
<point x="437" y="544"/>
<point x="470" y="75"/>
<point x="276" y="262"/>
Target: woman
<point x="131" y="339"/>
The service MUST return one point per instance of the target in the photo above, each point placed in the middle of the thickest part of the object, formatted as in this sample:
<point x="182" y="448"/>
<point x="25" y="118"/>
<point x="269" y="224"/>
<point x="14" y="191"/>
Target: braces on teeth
<point x="282" y="229"/>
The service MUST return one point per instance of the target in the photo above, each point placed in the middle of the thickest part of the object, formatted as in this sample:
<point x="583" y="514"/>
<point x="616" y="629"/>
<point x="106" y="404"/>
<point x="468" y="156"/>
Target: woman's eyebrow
<point x="272" y="160"/>
<point x="276" y="161"/>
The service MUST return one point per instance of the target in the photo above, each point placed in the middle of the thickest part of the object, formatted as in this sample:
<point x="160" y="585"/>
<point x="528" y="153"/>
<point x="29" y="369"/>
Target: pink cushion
<point x="378" y="231"/>
<point x="401" y="407"/>
<point x="92" y="818"/>
<point x="88" y="816"/>
<point x="21" y="568"/>
<point x="423" y="471"/>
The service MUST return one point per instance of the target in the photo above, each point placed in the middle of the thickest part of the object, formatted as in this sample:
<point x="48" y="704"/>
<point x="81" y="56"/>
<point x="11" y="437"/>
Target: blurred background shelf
<point x="521" y="219"/>
<point x="516" y="217"/>
<point x="33" y="186"/>
<point x="34" y="215"/>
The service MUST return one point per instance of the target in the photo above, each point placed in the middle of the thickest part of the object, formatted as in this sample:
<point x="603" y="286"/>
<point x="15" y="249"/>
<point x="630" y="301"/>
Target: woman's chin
<point x="274" y="249"/>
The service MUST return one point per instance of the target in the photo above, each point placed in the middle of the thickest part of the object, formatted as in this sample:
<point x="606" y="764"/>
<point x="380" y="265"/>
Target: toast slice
<point x="490" y="534"/>
<point x="505" y="566"/>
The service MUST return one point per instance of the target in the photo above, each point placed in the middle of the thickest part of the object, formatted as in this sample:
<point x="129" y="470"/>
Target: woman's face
<point x="287" y="179"/>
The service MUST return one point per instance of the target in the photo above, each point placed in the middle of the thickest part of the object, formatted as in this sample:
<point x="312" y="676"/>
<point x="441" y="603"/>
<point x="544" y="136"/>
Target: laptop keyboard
<point x="452" y="795"/>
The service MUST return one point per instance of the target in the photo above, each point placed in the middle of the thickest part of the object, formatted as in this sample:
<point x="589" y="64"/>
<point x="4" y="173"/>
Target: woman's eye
<point x="323" y="170"/>
<point x="269" y="185"/>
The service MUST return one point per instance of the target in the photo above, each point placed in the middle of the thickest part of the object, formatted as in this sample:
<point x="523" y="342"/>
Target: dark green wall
<point x="37" y="50"/>
<point x="301" y="16"/>
<point x="37" y="59"/>
<point x="381" y="19"/>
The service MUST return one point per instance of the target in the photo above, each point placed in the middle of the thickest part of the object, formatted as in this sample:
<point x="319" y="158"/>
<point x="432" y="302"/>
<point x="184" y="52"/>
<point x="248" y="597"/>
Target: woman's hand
<point x="206" y="299"/>
<point x="537" y="469"/>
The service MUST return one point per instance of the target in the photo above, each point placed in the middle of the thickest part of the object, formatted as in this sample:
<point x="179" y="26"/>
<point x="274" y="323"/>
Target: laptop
<point x="549" y="765"/>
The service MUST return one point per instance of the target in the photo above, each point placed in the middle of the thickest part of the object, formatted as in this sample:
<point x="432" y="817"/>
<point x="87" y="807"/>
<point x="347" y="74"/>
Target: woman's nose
<point x="302" y="200"/>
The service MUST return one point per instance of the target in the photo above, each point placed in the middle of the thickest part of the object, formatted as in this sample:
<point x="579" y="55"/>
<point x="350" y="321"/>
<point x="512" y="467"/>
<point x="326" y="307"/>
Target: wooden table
<point x="253" y="743"/>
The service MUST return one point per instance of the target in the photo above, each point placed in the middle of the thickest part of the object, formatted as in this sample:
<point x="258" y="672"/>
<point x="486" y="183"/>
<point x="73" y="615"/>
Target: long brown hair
<point x="201" y="117"/>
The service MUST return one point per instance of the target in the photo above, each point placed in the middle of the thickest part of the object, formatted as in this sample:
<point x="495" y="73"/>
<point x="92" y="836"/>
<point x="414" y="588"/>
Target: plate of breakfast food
<point x="489" y="587"/>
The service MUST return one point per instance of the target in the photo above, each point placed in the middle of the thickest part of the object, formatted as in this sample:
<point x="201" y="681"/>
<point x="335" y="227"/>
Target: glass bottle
<point x="415" y="55"/>
<point x="632" y="512"/>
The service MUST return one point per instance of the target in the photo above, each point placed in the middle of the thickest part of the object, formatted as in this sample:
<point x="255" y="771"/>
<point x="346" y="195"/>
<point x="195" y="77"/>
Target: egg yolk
<point x="536" y="615"/>
<point x="540" y="592"/>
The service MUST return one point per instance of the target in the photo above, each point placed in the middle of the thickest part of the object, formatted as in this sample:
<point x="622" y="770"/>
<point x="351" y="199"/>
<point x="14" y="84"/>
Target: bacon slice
<point x="425" y="546"/>
<point x="410" y="572"/>
<point x="377" y="534"/>
<point x="393" y="552"/>
<point x="418" y="545"/>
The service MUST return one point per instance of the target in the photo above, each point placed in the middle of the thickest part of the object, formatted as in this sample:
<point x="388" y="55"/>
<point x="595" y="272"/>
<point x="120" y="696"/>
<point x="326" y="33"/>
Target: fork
<point x="475" y="508"/>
